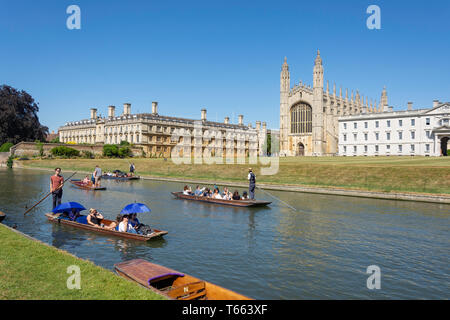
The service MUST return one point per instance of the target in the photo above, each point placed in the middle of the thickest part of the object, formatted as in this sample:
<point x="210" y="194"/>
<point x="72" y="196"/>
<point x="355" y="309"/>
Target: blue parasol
<point x="67" y="206"/>
<point x="135" y="208"/>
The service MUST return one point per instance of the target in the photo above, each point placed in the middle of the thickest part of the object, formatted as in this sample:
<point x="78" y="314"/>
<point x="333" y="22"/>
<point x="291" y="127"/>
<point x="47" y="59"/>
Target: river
<point x="320" y="251"/>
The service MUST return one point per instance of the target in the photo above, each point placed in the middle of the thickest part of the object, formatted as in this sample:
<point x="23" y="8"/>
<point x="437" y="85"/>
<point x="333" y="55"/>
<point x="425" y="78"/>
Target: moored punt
<point x="236" y="203"/>
<point x="2" y="216"/>
<point x="173" y="284"/>
<point x="120" y="178"/>
<point x="155" y="234"/>
<point x="79" y="184"/>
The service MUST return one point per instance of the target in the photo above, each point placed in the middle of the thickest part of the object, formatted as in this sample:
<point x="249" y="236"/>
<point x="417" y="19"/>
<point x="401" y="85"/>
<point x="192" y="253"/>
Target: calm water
<point x="319" y="252"/>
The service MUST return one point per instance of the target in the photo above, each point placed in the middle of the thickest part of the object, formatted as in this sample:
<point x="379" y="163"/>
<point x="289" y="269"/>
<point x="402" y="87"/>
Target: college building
<point x="158" y="135"/>
<point x="422" y="132"/>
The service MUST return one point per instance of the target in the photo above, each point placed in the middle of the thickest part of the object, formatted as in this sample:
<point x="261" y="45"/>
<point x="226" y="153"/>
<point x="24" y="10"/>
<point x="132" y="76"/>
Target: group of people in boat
<point x="215" y="193"/>
<point x="123" y="223"/>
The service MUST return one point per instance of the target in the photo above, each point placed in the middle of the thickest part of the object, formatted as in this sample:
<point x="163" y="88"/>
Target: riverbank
<point x="401" y="178"/>
<point x="33" y="270"/>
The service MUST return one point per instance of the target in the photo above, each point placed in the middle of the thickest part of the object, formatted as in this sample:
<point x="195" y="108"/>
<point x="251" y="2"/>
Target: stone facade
<point x="423" y="132"/>
<point x="309" y="115"/>
<point x="158" y="134"/>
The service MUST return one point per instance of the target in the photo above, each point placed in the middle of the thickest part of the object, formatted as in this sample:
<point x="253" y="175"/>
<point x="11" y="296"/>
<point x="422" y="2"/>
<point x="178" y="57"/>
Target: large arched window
<point x="301" y="118"/>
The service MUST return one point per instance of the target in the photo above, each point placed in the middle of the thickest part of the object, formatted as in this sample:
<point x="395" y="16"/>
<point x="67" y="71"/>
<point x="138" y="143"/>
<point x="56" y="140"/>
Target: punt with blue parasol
<point x="130" y="210"/>
<point x="70" y="211"/>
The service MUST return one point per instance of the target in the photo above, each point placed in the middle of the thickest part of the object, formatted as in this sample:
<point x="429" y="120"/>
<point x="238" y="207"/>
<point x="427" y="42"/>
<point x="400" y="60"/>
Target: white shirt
<point x="123" y="227"/>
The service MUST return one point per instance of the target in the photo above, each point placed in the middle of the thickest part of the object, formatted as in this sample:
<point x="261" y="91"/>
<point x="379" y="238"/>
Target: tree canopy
<point x="18" y="117"/>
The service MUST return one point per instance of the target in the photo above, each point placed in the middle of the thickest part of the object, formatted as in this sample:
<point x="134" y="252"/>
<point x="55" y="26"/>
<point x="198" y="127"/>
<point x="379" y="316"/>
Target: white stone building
<point x="155" y="133"/>
<point x="411" y="132"/>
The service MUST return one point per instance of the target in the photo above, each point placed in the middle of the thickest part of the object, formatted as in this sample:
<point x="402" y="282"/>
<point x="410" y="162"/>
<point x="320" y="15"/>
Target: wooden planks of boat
<point x="2" y="216"/>
<point x="120" y="178"/>
<point x="155" y="234"/>
<point x="86" y="186"/>
<point x="236" y="203"/>
<point x="173" y="284"/>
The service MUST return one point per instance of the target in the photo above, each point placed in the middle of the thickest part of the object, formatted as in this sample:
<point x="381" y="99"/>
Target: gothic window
<point x="301" y="118"/>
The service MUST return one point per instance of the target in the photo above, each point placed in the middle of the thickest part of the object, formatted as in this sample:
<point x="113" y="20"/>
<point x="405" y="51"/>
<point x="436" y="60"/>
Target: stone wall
<point x="3" y="157"/>
<point x="30" y="149"/>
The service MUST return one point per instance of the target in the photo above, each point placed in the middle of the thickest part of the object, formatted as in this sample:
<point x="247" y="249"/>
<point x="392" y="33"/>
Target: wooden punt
<point x="155" y="234"/>
<point x="2" y="216"/>
<point x="79" y="184"/>
<point x="173" y="284"/>
<point x="236" y="203"/>
<point x="120" y="178"/>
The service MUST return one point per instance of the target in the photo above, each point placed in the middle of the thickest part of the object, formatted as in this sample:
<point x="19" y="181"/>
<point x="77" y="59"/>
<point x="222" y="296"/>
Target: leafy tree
<point x="110" y="150"/>
<point x="6" y="146"/>
<point x="18" y="117"/>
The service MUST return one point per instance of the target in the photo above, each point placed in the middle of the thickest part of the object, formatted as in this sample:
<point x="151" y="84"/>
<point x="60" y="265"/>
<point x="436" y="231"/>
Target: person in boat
<point x="86" y="180"/>
<point x="227" y="195"/>
<point x="199" y="192"/>
<point x="74" y="214"/>
<point x="97" y="176"/>
<point x="187" y="190"/>
<point x="125" y="226"/>
<point x="134" y="221"/>
<point x="251" y="183"/>
<point x="236" y="195"/>
<point x="115" y="224"/>
<point x="56" y="184"/>
<point x="94" y="218"/>
<point x="244" y="196"/>
<point x="216" y="194"/>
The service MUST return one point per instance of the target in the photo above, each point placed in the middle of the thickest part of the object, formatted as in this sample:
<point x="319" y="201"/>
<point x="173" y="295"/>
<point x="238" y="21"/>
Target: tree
<point x="18" y="117"/>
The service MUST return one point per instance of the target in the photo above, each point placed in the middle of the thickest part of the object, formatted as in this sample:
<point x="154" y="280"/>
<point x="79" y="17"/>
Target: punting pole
<point x="277" y="199"/>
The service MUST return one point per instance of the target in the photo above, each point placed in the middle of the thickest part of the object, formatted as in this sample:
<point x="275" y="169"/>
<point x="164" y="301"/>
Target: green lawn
<point x="32" y="270"/>
<point x="401" y="174"/>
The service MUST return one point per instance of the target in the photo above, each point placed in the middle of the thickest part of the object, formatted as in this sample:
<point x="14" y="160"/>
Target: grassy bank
<point x="32" y="270"/>
<point x="399" y="174"/>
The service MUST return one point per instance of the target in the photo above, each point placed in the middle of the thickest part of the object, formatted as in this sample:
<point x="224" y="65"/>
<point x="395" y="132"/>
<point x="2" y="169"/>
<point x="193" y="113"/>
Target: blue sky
<point x="225" y="56"/>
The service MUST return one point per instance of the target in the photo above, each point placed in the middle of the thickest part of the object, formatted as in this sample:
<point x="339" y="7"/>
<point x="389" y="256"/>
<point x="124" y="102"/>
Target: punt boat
<point x="155" y="234"/>
<point x="2" y="216"/>
<point x="236" y="203"/>
<point x="173" y="284"/>
<point x="86" y="186"/>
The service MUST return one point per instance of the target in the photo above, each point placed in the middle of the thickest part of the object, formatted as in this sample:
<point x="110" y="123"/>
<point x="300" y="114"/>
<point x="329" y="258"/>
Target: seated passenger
<point x="244" y="196"/>
<point x="199" y="192"/>
<point x="86" y="180"/>
<point x="74" y="214"/>
<point x="115" y="224"/>
<point x="236" y="195"/>
<point x="216" y="194"/>
<point x="94" y="218"/>
<point x="125" y="226"/>
<point x="187" y="191"/>
<point x="134" y="220"/>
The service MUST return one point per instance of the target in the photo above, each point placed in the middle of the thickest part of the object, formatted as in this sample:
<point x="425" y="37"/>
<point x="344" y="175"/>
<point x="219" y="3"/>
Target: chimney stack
<point x="410" y="104"/>
<point x="435" y="103"/>
<point x="93" y="113"/>
<point x="241" y="120"/>
<point x="391" y="109"/>
<point x="385" y="108"/>
<point x="126" y="109"/>
<point x="203" y="114"/>
<point x="154" y="107"/>
<point x="227" y="120"/>
<point x="258" y="125"/>
<point x="264" y="126"/>
<point x="111" y="111"/>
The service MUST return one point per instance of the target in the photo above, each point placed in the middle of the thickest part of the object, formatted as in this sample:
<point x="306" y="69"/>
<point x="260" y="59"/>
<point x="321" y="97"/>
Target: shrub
<point x="124" y="143"/>
<point x="63" y="151"/>
<point x="110" y="150"/>
<point x="6" y="146"/>
<point x="40" y="147"/>
<point x="124" y="152"/>
<point x="88" y="154"/>
<point x="55" y="140"/>
<point x="9" y="162"/>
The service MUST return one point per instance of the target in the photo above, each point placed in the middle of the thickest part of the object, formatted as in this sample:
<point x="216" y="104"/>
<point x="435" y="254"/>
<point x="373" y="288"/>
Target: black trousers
<point x="57" y="197"/>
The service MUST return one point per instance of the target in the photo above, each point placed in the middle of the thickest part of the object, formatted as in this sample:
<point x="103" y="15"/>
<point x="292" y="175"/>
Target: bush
<point x="124" y="143"/>
<point x="124" y="152"/>
<point x="55" y="140"/>
<point x="65" y="152"/>
<point x="110" y="150"/>
<point x="9" y="162"/>
<point x="6" y="146"/>
<point x="88" y="154"/>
